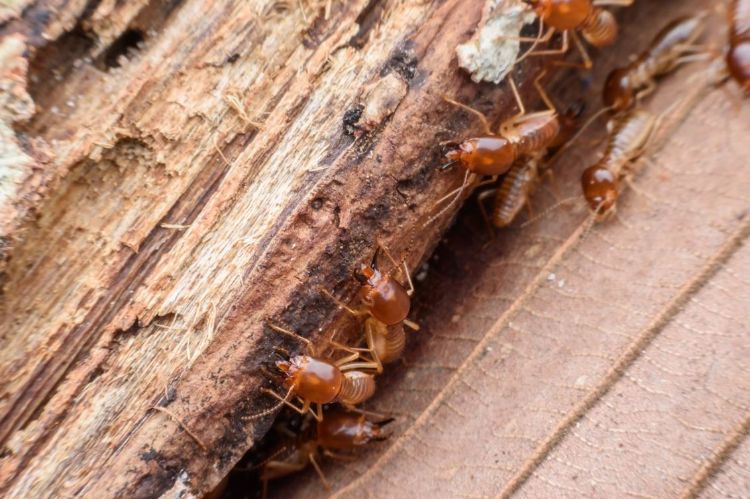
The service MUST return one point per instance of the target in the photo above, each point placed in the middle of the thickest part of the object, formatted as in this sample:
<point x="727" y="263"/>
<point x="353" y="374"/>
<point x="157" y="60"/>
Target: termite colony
<point x="325" y="390"/>
<point x="322" y="391"/>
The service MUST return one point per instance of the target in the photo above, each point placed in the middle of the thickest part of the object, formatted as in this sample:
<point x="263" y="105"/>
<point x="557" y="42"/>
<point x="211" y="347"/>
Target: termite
<point x="597" y="25"/>
<point x="387" y="303"/>
<point x="671" y="46"/>
<point x="629" y="135"/>
<point x="340" y="430"/>
<point x="317" y="380"/>
<point x="738" y="57"/>
<point x="382" y="296"/>
<point x="492" y="155"/>
<point x="521" y="180"/>
<point x="513" y="193"/>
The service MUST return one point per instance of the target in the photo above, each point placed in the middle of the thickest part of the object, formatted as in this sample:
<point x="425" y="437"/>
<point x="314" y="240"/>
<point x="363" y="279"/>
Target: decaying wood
<point x="185" y="170"/>
<point x="613" y="365"/>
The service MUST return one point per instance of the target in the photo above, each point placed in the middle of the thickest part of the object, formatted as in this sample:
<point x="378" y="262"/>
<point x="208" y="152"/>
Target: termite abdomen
<point x="600" y="28"/>
<point x="536" y="133"/>
<point x="388" y="342"/>
<point x="356" y="388"/>
<point x="513" y="193"/>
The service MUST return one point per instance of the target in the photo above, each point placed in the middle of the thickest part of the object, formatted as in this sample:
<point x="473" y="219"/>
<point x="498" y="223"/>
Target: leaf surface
<point x="609" y="362"/>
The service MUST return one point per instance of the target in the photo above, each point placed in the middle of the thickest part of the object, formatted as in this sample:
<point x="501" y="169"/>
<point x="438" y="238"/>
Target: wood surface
<point x="182" y="172"/>
<point x="190" y="169"/>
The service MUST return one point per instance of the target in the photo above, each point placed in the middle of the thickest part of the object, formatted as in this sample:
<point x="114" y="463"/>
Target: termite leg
<point x="388" y="254"/>
<point x="338" y="457"/>
<point x="552" y="189"/>
<point x="411" y="324"/>
<point x="521" y="108"/>
<point x="479" y="114"/>
<point x="582" y="50"/>
<point x="543" y="93"/>
<point x="529" y="208"/>
<point x="322" y="477"/>
<point x="347" y="363"/>
<point x="540" y="38"/>
<point x="346" y="348"/>
<point x="697" y="56"/>
<point x="398" y="268"/>
<point x="586" y="64"/>
<point x="318" y="413"/>
<point x="505" y="125"/>
<point x="371" y="345"/>
<point x="359" y="365"/>
<point x="558" y="51"/>
<point x="385" y="419"/>
<point x="481" y="199"/>
<point x="346" y="360"/>
<point x="409" y="291"/>
<point x="647" y="90"/>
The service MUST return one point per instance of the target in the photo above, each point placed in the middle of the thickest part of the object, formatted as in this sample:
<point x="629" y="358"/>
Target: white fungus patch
<point x="490" y="54"/>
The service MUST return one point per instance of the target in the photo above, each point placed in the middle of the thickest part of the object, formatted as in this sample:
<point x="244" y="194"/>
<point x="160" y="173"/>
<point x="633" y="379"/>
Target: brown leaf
<point x="608" y="363"/>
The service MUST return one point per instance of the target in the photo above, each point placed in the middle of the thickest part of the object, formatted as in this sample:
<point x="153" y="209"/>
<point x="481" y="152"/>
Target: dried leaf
<point x="611" y="362"/>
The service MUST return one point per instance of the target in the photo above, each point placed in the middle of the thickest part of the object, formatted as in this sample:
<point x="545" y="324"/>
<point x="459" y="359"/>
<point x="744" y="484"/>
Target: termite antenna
<point x="536" y="41"/>
<point x="587" y="227"/>
<point x="271" y="409"/>
<point x="182" y="425"/>
<point x="578" y="134"/>
<point x="455" y="200"/>
<point x="287" y="332"/>
<point x="548" y="211"/>
<point x="447" y="165"/>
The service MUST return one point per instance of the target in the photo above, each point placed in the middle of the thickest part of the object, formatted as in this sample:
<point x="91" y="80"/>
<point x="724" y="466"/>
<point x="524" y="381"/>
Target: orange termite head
<point x="461" y="154"/>
<point x="738" y="62"/>
<point x="290" y="369"/>
<point x="386" y="299"/>
<point x="311" y="378"/>
<point x="618" y="90"/>
<point x="600" y="188"/>
<point x="490" y="155"/>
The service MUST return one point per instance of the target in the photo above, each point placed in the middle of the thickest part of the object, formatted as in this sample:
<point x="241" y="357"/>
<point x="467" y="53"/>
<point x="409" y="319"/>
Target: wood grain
<point x="207" y="171"/>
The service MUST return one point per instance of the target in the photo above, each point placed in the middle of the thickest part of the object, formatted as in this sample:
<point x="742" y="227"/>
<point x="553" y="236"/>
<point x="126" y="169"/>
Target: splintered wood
<point x="177" y="173"/>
